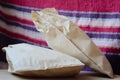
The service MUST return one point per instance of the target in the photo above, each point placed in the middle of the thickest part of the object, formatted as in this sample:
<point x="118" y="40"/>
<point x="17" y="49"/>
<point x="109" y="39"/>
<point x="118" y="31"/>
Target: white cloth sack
<point x="29" y="60"/>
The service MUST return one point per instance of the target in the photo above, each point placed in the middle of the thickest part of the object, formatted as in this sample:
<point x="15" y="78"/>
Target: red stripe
<point x="19" y="36"/>
<point x="100" y="29"/>
<point x="72" y="5"/>
<point x="110" y="50"/>
<point x="10" y="17"/>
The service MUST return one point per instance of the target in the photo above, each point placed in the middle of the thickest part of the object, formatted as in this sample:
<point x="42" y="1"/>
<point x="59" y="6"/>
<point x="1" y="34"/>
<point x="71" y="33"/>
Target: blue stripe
<point x="103" y="35"/>
<point x="91" y="15"/>
<point x="71" y="14"/>
<point x="10" y="22"/>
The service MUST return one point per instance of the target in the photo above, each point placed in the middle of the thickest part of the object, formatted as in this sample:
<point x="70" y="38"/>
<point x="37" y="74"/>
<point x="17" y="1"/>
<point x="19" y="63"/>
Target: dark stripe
<point x="75" y="14"/>
<point x="17" y="24"/>
<point x="5" y="41"/>
<point x="115" y="62"/>
<point x="103" y="35"/>
<point x="15" y="7"/>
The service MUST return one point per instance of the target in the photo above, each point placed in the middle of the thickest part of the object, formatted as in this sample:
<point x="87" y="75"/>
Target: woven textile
<point x="100" y="19"/>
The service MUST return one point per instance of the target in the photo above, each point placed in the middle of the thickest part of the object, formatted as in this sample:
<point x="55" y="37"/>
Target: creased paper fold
<point x="63" y="35"/>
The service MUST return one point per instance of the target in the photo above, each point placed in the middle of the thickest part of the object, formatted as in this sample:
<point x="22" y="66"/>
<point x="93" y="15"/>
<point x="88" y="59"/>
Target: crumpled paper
<point x="63" y="35"/>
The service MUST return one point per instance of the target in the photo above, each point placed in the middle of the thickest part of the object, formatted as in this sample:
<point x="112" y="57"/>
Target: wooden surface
<point x="4" y="75"/>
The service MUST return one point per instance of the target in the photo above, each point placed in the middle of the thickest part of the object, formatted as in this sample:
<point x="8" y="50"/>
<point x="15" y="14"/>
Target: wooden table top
<point x="5" y="75"/>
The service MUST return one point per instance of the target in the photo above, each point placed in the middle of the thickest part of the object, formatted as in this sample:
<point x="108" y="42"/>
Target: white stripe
<point x="19" y="30"/>
<point x="111" y="43"/>
<point x="84" y="12"/>
<point x="19" y="14"/>
<point x="97" y="22"/>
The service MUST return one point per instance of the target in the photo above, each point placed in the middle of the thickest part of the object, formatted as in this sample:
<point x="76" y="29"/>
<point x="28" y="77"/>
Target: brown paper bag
<point x="63" y="35"/>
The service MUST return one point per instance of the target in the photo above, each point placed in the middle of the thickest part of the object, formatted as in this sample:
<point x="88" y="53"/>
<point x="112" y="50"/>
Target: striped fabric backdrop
<point x="100" y="19"/>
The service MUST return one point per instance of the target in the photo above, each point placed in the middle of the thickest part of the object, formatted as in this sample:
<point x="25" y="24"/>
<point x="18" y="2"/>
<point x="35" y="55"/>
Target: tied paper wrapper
<point x="63" y="35"/>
